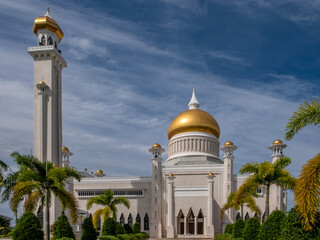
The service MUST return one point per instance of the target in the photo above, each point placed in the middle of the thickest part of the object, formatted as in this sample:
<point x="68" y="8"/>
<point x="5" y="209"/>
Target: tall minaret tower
<point x="156" y="190"/>
<point x="48" y="64"/>
<point x="228" y="157"/>
<point x="278" y="195"/>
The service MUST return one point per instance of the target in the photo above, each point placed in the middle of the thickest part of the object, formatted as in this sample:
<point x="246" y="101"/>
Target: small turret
<point x="277" y="147"/>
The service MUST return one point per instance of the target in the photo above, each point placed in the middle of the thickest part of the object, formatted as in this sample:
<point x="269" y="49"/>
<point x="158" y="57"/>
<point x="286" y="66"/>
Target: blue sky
<point x="132" y="65"/>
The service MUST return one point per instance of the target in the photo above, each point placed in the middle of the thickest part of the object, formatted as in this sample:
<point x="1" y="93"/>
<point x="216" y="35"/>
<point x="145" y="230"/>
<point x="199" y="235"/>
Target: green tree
<point x="62" y="228"/>
<point x="237" y="203"/>
<point x="38" y="181"/>
<point x="136" y="228"/>
<point x="271" y="229"/>
<point x="28" y="228"/>
<point x="119" y="229"/>
<point x="88" y="230"/>
<point x="229" y="228"/>
<point x="110" y="204"/>
<point x="308" y="113"/>
<point x="109" y="227"/>
<point x="251" y="229"/>
<point x="265" y="174"/>
<point x="127" y="228"/>
<point x="238" y="228"/>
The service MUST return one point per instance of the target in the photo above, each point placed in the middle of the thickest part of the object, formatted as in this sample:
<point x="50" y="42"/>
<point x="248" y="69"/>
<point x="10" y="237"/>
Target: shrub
<point x="293" y="228"/>
<point x="62" y="228"/>
<point x="119" y="229"/>
<point x="108" y="237"/>
<point x="109" y="227"/>
<point x="28" y="228"/>
<point x="224" y="236"/>
<point x="136" y="228"/>
<point x="238" y="228"/>
<point x="4" y="227"/>
<point x="271" y="229"/>
<point x="229" y="228"/>
<point x="65" y="238"/>
<point x="141" y="236"/>
<point x="88" y="230"/>
<point x="251" y="229"/>
<point x="127" y="228"/>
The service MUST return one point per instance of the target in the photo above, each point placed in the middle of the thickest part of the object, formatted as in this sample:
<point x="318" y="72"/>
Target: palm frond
<point x="32" y="201"/>
<point x="96" y="218"/>
<point x="106" y="212"/>
<point x="122" y="200"/>
<point x="252" y="205"/>
<point x="67" y="200"/>
<point x="95" y="200"/>
<point x="308" y="113"/>
<point x="249" y="168"/>
<point x="307" y="192"/>
<point x="282" y="162"/>
<point x="247" y="188"/>
<point x="8" y="184"/>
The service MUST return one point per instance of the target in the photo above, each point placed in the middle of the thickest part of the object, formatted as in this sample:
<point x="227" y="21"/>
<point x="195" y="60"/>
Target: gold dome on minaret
<point x="194" y="120"/>
<point x="46" y="22"/>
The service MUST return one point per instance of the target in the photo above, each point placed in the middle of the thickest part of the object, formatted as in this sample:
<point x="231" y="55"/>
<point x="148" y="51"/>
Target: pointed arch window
<point x="138" y="220"/>
<point x="122" y="219"/>
<point x="238" y="216"/>
<point x="200" y="222"/>
<point x="180" y="222"/>
<point x="146" y="222"/>
<point x="246" y="217"/>
<point x="190" y="222"/>
<point x="43" y="41"/>
<point x="130" y="220"/>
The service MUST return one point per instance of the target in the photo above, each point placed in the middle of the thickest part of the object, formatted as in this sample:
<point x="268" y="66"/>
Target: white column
<point x="210" y="232"/>
<point x="195" y="225"/>
<point x="185" y="225"/>
<point x="170" y="228"/>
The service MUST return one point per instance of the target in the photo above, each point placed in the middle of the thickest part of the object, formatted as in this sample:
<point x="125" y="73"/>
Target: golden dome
<point x="46" y="22"/>
<point x="229" y="143"/>
<point x="42" y="82"/>
<point x="99" y="171"/>
<point x="277" y="141"/>
<point x="170" y="175"/>
<point x="194" y="120"/>
<point x="210" y="174"/>
<point x="156" y="145"/>
<point x="65" y="149"/>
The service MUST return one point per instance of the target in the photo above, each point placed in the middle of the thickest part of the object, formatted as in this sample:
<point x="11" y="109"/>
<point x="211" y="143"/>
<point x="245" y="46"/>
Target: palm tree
<point x="110" y="204"/>
<point x="248" y="199"/>
<point x="265" y="174"/>
<point x="308" y="113"/>
<point x="37" y="181"/>
<point x="307" y="188"/>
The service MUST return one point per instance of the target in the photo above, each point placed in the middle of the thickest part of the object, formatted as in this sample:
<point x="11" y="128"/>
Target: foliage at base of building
<point x="28" y="228"/>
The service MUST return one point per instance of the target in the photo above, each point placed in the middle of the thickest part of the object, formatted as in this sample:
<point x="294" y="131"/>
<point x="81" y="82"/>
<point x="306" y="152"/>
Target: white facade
<point x="185" y="193"/>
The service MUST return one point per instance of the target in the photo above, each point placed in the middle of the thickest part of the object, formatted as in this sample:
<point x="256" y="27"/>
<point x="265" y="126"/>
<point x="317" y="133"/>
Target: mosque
<point x="185" y="193"/>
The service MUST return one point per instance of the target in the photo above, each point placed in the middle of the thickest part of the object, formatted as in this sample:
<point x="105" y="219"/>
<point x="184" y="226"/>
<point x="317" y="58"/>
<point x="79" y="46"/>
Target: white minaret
<point x="228" y="157"/>
<point x="278" y="195"/>
<point x="48" y="64"/>
<point x="156" y="190"/>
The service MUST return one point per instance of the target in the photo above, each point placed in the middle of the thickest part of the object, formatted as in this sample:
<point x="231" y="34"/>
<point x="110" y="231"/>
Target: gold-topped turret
<point x="229" y="143"/>
<point x="46" y="22"/>
<point x="277" y="141"/>
<point x="64" y="148"/>
<point x="156" y="145"/>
